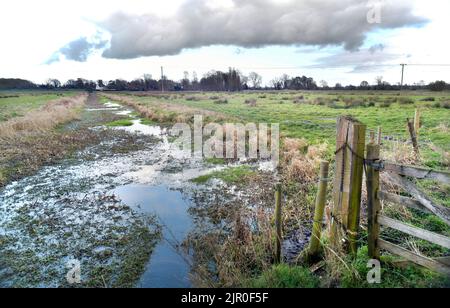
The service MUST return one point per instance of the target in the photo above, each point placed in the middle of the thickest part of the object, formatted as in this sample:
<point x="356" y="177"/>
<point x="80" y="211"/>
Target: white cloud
<point x="33" y="30"/>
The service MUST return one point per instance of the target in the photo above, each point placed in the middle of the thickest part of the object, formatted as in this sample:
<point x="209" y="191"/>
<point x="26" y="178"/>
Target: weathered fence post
<point x="372" y="136"/>
<point x="350" y="145"/>
<point x="413" y="135"/>
<point x="379" y="135"/>
<point x="278" y="224"/>
<point x="373" y="202"/>
<point x="417" y="123"/>
<point x="314" y="244"/>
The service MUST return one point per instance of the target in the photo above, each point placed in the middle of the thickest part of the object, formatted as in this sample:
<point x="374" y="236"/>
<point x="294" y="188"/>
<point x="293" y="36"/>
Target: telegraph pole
<point x="403" y="72"/>
<point x="162" y="79"/>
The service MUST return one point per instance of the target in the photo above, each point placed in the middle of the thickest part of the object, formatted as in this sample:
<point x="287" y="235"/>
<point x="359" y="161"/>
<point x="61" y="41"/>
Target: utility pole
<point x="162" y="79"/>
<point x="403" y="72"/>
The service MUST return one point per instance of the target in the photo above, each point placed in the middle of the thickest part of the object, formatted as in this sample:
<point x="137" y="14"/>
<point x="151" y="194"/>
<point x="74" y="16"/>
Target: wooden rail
<point x="413" y="257"/>
<point x="414" y="231"/>
<point x="411" y="203"/>
<point x="419" y="201"/>
<point x="417" y="172"/>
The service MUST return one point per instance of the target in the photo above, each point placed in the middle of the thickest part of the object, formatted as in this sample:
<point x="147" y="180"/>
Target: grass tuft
<point x="120" y="123"/>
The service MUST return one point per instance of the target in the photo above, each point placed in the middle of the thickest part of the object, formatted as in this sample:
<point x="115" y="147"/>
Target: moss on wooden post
<point x="278" y="223"/>
<point x="314" y="244"/>
<point x="373" y="202"/>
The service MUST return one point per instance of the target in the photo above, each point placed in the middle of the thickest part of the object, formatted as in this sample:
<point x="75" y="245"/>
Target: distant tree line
<point x="231" y="81"/>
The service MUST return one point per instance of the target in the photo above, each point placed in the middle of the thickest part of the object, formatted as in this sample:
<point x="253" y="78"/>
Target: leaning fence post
<point x="417" y="123"/>
<point x="314" y="244"/>
<point x="373" y="202"/>
<point x="278" y="224"/>
<point x="413" y="135"/>
<point x="350" y="146"/>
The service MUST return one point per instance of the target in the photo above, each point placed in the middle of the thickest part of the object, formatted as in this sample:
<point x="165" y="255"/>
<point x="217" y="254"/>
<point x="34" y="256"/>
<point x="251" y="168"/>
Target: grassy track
<point x="16" y="104"/>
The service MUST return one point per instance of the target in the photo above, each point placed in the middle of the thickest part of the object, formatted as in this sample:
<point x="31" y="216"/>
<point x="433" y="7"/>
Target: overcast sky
<point x="325" y="39"/>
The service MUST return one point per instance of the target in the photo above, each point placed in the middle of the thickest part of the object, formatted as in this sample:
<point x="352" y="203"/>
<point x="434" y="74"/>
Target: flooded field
<point x="93" y="209"/>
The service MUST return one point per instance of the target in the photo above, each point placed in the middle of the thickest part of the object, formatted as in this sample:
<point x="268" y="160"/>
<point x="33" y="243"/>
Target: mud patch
<point x="38" y="239"/>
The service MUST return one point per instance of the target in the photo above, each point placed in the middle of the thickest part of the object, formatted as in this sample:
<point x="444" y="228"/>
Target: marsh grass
<point x="230" y="175"/>
<point x="44" y="119"/>
<point x="119" y="123"/>
<point x="244" y="256"/>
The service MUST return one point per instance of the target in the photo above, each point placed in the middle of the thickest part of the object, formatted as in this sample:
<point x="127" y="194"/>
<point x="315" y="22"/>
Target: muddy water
<point x="151" y="180"/>
<point x="157" y="189"/>
<point x="168" y="266"/>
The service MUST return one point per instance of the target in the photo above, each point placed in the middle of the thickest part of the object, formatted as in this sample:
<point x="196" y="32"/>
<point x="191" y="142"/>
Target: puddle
<point x="112" y="105"/>
<point x="153" y="179"/>
<point x="168" y="267"/>
<point x="148" y="130"/>
<point x="124" y="112"/>
<point x="101" y="109"/>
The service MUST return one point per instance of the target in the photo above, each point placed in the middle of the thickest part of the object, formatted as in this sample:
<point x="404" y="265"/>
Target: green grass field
<point x="16" y="104"/>
<point x="312" y="115"/>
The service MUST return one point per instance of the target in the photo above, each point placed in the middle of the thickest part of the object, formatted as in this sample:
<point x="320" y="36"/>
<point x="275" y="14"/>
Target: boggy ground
<point x="240" y="251"/>
<point x="59" y="209"/>
<point x="231" y="242"/>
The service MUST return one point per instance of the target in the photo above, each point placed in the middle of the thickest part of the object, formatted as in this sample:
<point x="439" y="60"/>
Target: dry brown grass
<point x="240" y="254"/>
<point x="300" y="160"/>
<point x="251" y="102"/>
<point x="401" y="153"/>
<point x="48" y="117"/>
<point x="166" y="112"/>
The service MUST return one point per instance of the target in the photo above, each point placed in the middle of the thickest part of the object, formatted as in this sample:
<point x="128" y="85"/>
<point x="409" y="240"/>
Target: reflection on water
<point x="138" y="127"/>
<point x="168" y="267"/>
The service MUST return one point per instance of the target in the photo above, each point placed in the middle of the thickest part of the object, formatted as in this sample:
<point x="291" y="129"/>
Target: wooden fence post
<point x="278" y="224"/>
<point x="373" y="202"/>
<point x="314" y="244"/>
<point x="379" y="135"/>
<point x="417" y="123"/>
<point x="350" y="146"/>
<point x="413" y="135"/>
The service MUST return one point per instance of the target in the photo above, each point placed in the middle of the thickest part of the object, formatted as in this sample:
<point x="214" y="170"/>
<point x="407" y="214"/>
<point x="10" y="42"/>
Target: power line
<point x="162" y="79"/>
<point x="403" y="72"/>
<point x="318" y="66"/>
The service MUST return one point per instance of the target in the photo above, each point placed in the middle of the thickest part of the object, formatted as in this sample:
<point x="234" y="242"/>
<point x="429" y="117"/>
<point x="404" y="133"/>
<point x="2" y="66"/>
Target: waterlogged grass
<point x="232" y="175"/>
<point x="285" y="276"/>
<point x="14" y="104"/>
<point x="215" y="161"/>
<point x="146" y="121"/>
<point x="120" y="123"/>
<point x="312" y="115"/>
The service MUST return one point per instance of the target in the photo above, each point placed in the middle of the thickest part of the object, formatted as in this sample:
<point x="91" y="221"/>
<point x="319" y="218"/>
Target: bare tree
<point x="379" y="80"/>
<point x="285" y="80"/>
<point x="324" y="84"/>
<point x="255" y="80"/>
<point x="53" y="83"/>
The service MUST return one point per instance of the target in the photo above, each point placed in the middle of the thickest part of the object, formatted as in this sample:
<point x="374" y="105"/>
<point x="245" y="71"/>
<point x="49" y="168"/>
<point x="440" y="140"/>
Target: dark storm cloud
<point x="247" y="24"/>
<point x="251" y="23"/>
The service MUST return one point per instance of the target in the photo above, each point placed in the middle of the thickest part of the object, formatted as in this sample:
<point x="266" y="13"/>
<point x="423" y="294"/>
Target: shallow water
<point x="168" y="266"/>
<point x="152" y="180"/>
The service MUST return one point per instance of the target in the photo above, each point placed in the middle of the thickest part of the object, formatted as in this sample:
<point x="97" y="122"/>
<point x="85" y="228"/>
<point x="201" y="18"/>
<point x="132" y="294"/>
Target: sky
<point x="344" y="41"/>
